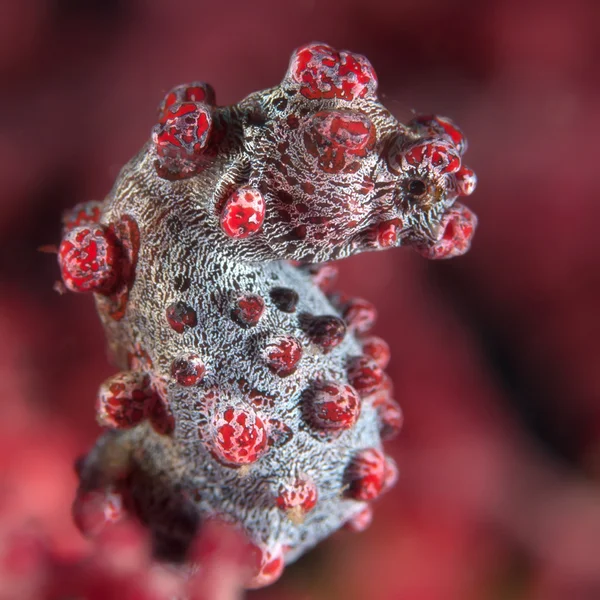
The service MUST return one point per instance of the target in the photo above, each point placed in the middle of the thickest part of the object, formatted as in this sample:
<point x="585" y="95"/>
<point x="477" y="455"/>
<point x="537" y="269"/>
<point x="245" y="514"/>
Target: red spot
<point x="180" y="315"/>
<point x="248" y="310"/>
<point x="376" y="348"/>
<point x="243" y="213"/>
<point x="282" y="354"/>
<point x="326" y="331"/>
<point x="365" y="375"/>
<point x="301" y="493"/>
<point x="366" y="475"/>
<point x="188" y="370"/>
<point x="89" y="259"/>
<point x="123" y="399"/>
<point x="240" y="436"/>
<point x="360" y="315"/>
<point x="322" y="72"/>
<point x="181" y="139"/>
<point x="334" y="406"/>
<point x="360" y="521"/>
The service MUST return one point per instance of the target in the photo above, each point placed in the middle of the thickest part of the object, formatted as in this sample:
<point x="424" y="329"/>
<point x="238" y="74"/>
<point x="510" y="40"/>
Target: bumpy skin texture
<point x="249" y="393"/>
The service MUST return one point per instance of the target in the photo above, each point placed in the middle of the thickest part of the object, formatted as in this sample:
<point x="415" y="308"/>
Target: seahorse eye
<point x="416" y="187"/>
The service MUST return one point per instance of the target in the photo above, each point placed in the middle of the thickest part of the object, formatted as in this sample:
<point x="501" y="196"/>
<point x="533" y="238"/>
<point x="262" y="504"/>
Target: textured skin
<point x="250" y="393"/>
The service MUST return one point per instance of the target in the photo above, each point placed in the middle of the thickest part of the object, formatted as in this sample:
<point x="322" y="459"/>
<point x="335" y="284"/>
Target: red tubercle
<point x="240" y="436"/>
<point x="379" y="236"/>
<point x="188" y="370"/>
<point x="388" y="233"/>
<point x="459" y="225"/>
<point x="323" y="72"/>
<point x="123" y="399"/>
<point x="429" y="156"/>
<point x="138" y="359"/>
<point x="243" y="213"/>
<point x="338" y="299"/>
<point x="466" y="181"/>
<point x="94" y="510"/>
<point x="365" y="375"/>
<point x="360" y="521"/>
<point x="268" y="564"/>
<point x="127" y="233"/>
<point x="323" y="276"/>
<point x="326" y="331"/>
<point x="389" y="415"/>
<point x="282" y="353"/>
<point x="89" y="259"/>
<point x="219" y="538"/>
<point x="366" y="475"/>
<point x="181" y="316"/>
<point x="299" y="494"/>
<point x="436" y="126"/>
<point x="351" y="130"/>
<point x="360" y="315"/>
<point x="285" y="299"/>
<point x="333" y="406"/>
<point x="247" y="310"/>
<point x="390" y="474"/>
<point x="181" y="139"/>
<point x="160" y="415"/>
<point x="185" y="125"/>
<point x="337" y="138"/>
<point x="222" y="557"/>
<point x="198" y="91"/>
<point x="376" y="348"/>
<point x="442" y="157"/>
<point x="86" y="213"/>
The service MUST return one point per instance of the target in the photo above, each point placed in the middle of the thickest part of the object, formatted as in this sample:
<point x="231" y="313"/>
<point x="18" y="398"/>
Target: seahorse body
<point x="249" y="392"/>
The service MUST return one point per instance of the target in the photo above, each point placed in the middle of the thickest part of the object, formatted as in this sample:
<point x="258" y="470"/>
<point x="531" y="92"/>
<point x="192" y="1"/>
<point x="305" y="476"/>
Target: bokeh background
<point x="495" y="355"/>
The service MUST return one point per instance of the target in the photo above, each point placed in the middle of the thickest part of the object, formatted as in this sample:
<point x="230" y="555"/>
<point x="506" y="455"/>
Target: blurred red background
<point x="495" y="356"/>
